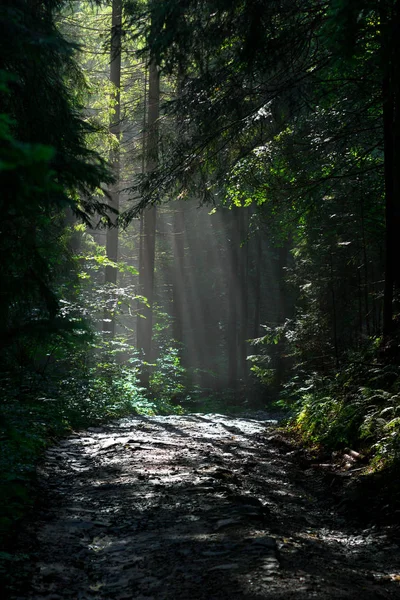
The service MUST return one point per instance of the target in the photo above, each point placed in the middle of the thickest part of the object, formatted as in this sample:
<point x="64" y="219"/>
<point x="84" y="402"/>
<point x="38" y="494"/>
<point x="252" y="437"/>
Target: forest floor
<point x="202" y="507"/>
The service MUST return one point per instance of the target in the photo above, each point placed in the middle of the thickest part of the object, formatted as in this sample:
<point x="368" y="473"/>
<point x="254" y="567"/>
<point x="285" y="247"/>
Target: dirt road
<point x="203" y="507"/>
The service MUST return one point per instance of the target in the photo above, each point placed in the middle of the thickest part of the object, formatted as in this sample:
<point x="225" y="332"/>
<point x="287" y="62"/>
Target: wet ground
<point x="203" y="507"/>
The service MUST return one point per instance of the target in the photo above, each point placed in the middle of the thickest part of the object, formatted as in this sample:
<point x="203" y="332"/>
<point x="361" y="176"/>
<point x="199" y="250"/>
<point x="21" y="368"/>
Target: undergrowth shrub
<point x="82" y="386"/>
<point x="349" y="409"/>
<point x="167" y="381"/>
<point x="356" y="405"/>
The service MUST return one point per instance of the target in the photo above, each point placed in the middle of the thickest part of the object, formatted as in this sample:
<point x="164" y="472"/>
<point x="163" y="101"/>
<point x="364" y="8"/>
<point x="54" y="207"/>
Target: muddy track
<point x="201" y="507"/>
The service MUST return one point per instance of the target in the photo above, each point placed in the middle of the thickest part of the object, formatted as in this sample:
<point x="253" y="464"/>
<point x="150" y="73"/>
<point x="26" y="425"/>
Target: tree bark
<point x="391" y="128"/>
<point x="243" y="283"/>
<point x="284" y="310"/>
<point x="233" y="302"/>
<point x="178" y="289"/>
<point x="146" y="269"/>
<point x="257" y="287"/>
<point x="115" y="129"/>
<point x="334" y="312"/>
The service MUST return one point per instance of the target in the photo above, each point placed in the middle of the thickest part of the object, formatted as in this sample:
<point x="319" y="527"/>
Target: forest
<point x="200" y="214"/>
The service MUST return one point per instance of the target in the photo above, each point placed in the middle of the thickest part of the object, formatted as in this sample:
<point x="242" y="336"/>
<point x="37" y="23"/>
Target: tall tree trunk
<point x="75" y="238"/>
<point x="243" y="283"/>
<point x="366" y="272"/>
<point x="178" y="283"/>
<point x="146" y="270"/>
<point x="388" y="106"/>
<point x="284" y="310"/>
<point x="360" y="313"/>
<point x="391" y="125"/>
<point x="178" y="243"/>
<point x="141" y="218"/>
<point x="334" y="312"/>
<point x="233" y="302"/>
<point x="115" y="130"/>
<point x="257" y="287"/>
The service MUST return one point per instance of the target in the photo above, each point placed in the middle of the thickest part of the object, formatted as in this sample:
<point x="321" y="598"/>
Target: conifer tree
<point x="46" y="169"/>
<point x="115" y="130"/>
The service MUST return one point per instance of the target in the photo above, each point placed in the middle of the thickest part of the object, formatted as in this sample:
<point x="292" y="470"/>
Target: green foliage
<point x="356" y="405"/>
<point x="100" y="387"/>
<point x="78" y="386"/>
<point x="46" y="170"/>
<point x="263" y="362"/>
<point x="359" y="407"/>
<point x="168" y="377"/>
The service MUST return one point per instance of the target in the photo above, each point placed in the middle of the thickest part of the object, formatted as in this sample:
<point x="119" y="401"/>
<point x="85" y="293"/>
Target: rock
<point x="131" y="445"/>
<point x="79" y="469"/>
<point x="227" y="567"/>
<point x="225" y="523"/>
<point x="244" y="500"/>
<point x="109" y="444"/>
<point x="77" y="524"/>
<point x="127" y="578"/>
<point x="265" y="541"/>
<point x="151" y="582"/>
<point x="210" y="553"/>
<point x="249" y="514"/>
<point x="51" y="571"/>
<point x="270" y="564"/>
<point x="224" y="474"/>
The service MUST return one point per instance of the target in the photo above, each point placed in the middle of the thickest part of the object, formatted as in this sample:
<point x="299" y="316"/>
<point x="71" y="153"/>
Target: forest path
<point x="203" y="507"/>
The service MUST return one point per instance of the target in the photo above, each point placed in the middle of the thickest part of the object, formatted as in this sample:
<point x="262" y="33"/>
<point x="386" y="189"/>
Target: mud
<point x="203" y="507"/>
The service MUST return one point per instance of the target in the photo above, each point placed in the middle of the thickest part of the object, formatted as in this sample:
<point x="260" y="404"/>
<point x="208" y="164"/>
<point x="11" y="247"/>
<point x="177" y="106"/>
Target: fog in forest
<point x="216" y="282"/>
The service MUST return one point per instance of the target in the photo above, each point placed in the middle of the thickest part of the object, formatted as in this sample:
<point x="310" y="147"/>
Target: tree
<point x="47" y="167"/>
<point x="146" y="268"/>
<point x="390" y="57"/>
<point x="115" y="131"/>
<point x="179" y="296"/>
